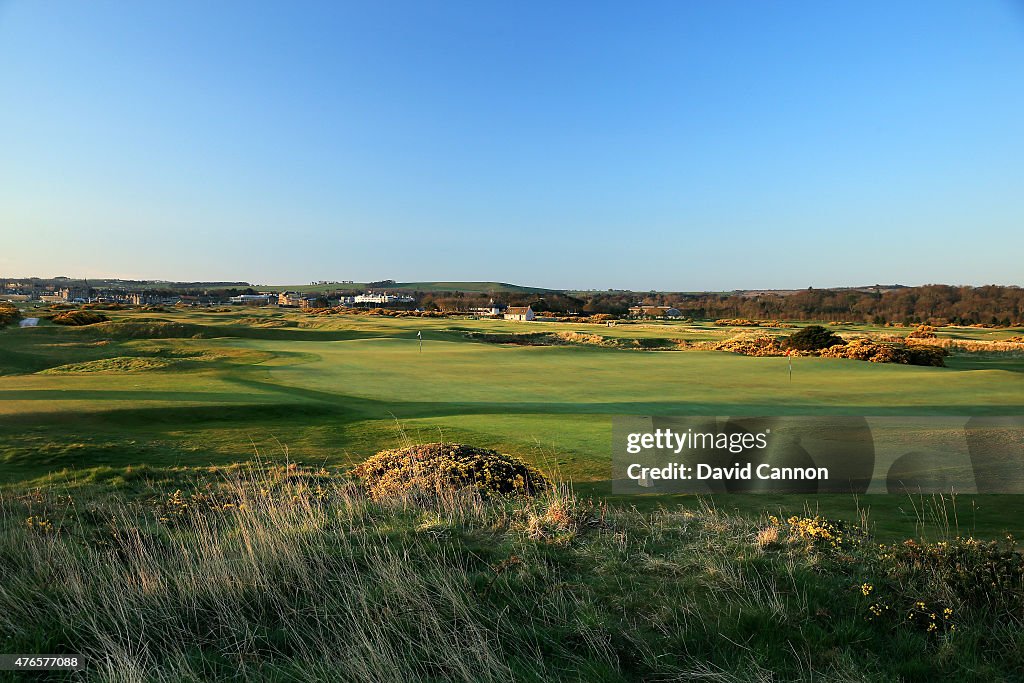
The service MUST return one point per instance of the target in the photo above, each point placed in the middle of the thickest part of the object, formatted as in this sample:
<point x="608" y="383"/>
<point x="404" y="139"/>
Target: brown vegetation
<point x="8" y="314"/>
<point x="923" y="332"/>
<point x="437" y="468"/>
<point x="874" y="352"/>
<point x="759" y="345"/>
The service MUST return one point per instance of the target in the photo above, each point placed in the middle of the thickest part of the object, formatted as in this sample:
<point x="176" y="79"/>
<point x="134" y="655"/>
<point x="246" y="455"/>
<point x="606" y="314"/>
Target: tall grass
<point x="281" y="574"/>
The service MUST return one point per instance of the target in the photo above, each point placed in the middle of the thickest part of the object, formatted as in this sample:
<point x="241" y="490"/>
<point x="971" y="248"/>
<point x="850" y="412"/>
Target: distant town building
<point x="379" y="299"/>
<point x="252" y="299"/>
<point x="519" y="313"/>
<point x="289" y="299"/>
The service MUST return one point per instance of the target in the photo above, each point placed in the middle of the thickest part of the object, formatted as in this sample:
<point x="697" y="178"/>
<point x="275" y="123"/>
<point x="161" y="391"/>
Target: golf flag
<point x="419" y="337"/>
<point x="789" y="355"/>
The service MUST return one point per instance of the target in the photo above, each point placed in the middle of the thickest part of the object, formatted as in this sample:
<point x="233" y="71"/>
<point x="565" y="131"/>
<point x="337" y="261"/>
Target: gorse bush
<point x="761" y="345"/>
<point x="435" y="468"/>
<point x="746" y="322"/>
<point x="79" y="318"/>
<point x="813" y="338"/>
<point x="909" y="354"/>
<point x="737" y="322"/>
<point x="8" y="314"/>
<point x="923" y="332"/>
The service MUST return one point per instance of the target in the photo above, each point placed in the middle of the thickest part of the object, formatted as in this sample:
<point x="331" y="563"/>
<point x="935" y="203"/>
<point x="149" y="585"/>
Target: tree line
<point x="931" y="304"/>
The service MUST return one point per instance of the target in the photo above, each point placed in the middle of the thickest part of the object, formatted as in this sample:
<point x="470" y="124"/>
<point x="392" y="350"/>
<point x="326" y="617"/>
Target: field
<point x="175" y="505"/>
<point x="182" y="389"/>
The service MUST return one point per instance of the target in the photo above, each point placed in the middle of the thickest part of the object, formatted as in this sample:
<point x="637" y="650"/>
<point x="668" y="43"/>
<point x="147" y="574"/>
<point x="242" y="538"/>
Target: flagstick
<point x="789" y="355"/>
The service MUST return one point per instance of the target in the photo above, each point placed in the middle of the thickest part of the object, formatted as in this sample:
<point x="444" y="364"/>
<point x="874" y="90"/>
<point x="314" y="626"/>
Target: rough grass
<point x="286" y="573"/>
<point x="116" y="364"/>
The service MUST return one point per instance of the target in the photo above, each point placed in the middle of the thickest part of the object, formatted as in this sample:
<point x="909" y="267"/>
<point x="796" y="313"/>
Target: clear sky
<point x="682" y="145"/>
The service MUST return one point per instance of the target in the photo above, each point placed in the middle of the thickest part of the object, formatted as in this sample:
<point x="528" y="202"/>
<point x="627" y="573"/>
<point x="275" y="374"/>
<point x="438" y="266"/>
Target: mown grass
<point x="290" y="573"/>
<point x="337" y="389"/>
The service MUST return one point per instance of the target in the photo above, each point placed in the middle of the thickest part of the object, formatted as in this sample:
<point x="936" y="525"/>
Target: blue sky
<point x="674" y="145"/>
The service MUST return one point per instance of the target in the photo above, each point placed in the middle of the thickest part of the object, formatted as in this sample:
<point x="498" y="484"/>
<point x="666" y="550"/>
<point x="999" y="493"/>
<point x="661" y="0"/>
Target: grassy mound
<point x="435" y="468"/>
<point x="266" y="322"/>
<point x="79" y="318"/>
<point x="148" y="329"/>
<point x="116" y="364"/>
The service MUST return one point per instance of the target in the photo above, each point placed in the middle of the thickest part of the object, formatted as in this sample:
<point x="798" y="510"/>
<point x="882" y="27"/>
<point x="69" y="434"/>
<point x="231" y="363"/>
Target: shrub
<point x="813" y="338"/>
<point x="435" y="468"/>
<point x="736" y="322"/>
<point x="922" y="332"/>
<point x="920" y="354"/>
<point x="8" y="314"/>
<point x="150" y="328"/>
<point x="984" y="575"/>
<point x="747" y="322"/>
<point x="861" y="349"/>
<point x="762" y="345"/>
<point x="79" y="318"/>
<point x="865" y="349"/>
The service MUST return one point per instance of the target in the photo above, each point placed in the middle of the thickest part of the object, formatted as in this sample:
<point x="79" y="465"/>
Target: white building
<point x="524" y="313"/>
<point x="384" y="298"/>
<point x="252" y="299"/>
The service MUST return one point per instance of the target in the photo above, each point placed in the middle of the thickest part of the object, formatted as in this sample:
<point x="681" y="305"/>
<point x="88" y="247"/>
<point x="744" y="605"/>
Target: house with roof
<point x="519" y="313"/>
<point x="289" y="299"/>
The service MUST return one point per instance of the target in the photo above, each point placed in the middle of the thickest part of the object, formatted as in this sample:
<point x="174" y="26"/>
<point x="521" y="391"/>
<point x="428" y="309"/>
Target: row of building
<point x="299" y="300"/>
<point x="289" y="299"/>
